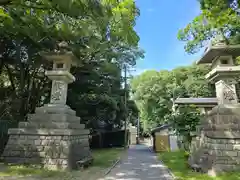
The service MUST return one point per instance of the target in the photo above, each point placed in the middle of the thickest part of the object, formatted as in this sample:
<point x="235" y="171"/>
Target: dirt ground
<point x="93" y="173"/>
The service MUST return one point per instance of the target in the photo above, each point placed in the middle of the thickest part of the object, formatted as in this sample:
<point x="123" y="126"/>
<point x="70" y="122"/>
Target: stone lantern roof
<point x="217" y="50"/>
<point x="61" y="56"/>
<point x="62" y="52"/>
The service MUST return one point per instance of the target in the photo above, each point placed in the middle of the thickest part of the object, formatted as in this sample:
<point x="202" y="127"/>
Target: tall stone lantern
<point x="52" y="137"/>
<point x="217" y="145"/>
<point x="219" y="138"/>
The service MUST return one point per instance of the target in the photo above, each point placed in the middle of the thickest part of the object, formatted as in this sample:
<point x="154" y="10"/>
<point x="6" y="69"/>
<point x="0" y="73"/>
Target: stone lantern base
<point x="53" y="137"/>
<point x="216" y="149"/>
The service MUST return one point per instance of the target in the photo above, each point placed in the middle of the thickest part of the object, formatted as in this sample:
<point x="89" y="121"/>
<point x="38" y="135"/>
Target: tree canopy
<point x="100" y="34"/>
<point x="217" y="18"/>
<point x="153" y="92"/>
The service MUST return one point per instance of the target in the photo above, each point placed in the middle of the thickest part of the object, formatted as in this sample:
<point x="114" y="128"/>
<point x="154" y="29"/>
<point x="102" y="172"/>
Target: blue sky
<point x="158" y="26"/>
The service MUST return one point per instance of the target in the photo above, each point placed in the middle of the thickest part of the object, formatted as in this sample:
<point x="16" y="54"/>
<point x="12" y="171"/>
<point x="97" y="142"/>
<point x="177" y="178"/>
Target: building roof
<point x="160" y="128"/>
<point x="197" y="101"/>
<point x="219" y="50"/>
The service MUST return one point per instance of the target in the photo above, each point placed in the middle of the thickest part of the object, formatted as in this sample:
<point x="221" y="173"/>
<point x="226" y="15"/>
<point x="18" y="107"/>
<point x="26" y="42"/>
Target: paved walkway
<point x="139" y="164"/>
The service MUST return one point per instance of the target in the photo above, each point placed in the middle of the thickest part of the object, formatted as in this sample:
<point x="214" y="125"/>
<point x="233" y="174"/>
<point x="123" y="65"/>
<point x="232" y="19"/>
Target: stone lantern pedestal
<point x="52" y="137"/>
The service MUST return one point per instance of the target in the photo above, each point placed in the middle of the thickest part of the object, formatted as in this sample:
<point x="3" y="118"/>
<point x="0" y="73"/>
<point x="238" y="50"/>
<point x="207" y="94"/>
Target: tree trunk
<point x="10" y="77"/>
<point x="1" y="65"/>
<point x="23" y="92"/>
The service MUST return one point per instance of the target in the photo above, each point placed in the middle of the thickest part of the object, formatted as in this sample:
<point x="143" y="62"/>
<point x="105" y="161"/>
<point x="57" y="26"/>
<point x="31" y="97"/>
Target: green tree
<point x="149" y="91"/>
<point x="217" y="18"/>
<point x="185" y="122"/>
<point x="99" y="33"/>
<point x="153" y="92"/>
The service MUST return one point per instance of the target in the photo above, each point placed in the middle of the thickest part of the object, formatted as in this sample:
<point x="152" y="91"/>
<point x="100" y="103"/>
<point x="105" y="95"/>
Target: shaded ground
<point x="177" y="163"/>
<point x="91" y="174"/>
<point x="103" y="159"/>
<point x="139" y="164"/>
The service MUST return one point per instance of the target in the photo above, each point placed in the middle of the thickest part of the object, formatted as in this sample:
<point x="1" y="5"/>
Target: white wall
<point x="173" y="142"/>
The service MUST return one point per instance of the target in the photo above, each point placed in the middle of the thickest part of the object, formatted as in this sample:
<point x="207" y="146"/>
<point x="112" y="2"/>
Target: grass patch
<point x="25" y="171"/>
<point x="106" y="157"/>
<point x="103" y="159"/>
<point x="176" y="162"/>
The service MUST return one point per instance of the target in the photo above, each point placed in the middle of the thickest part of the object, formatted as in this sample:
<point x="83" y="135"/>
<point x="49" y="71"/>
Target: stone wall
<point x="48" y="151"/>
<point x="225" y="152"/>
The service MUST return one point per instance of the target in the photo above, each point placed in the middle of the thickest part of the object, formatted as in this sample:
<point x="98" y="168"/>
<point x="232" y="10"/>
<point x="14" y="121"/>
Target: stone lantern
<point x="216" y="147"/>
<point x="60" y="75"/>
<point x="52" y="137"/>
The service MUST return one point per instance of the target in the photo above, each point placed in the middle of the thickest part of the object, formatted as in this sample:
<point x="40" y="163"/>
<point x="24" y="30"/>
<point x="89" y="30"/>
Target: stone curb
<point x="168" y="170"/>
<point x="113" y="166"/>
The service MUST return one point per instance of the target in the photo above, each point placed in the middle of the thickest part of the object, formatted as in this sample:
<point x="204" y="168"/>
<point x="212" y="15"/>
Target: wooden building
<point x="164" y="139"/>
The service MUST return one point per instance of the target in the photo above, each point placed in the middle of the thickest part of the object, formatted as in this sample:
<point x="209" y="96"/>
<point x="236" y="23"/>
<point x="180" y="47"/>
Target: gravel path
<point x="139" y="164"/>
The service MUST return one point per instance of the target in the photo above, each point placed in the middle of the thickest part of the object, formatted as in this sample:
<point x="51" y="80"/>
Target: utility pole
<point x="138" y="130"/>
<point x="125" y="104"/>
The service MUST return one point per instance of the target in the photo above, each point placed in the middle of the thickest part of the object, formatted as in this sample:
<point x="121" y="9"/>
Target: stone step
<point x="44" y="131"/>
<point x="51" y="125"/>
<point x="229" y="134"/>
<point x="43" y="117"/>
<point x="214" y="127"/>
<point x="20" y="161"/>
<point x="55" y="109"/>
